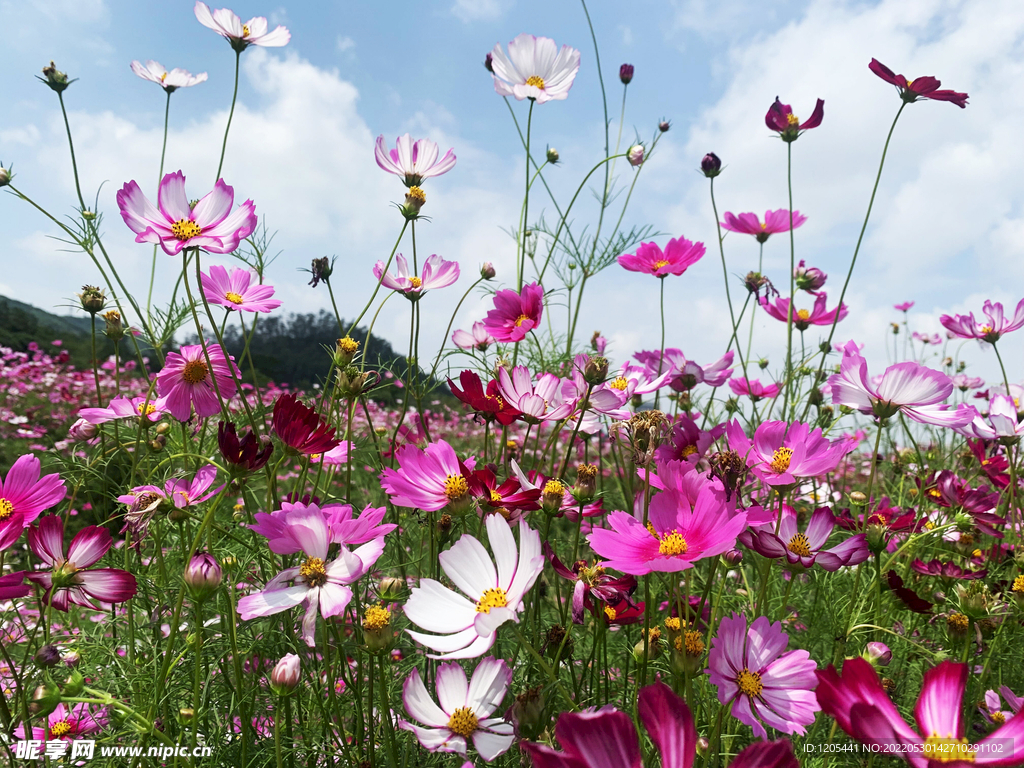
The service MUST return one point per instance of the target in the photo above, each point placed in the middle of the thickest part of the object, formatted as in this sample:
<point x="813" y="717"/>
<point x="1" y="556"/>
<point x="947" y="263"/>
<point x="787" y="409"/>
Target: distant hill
<point x="21" y="324"/>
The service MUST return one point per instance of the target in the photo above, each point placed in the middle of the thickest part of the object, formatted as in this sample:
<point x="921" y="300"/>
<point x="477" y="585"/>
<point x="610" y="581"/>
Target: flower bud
<point x="733" y="556"/>
<point x="5" y="176"/>
<point x="321" y="269"/>
<point x="48" y="656"/>
<point x="71" y="658"/>
<point x="489" y="62"/>
<point x="596" y="370"/>
<point x="702" y="745"/>
<point x="285" y="677"/>
<point x="552" y="496"/>
<point x="57" y="80"/>
<point x="75" y="684"/>
<point x="688" y="651"/>
<point x="552" y="156"/>
<point x="415" y="199"/>
<point x="558" y="643"/>
<point x="203" y="576"/>
<point x="957" y="624"/>
<point x="92" y="298"/>
<point x="44" y="700"/>
<point x="710" y="165"/>
<point x="185" y="715"/>
<point x="808" y="278"/>
<point x="664" y="125"/>
<point x="586" y="483"/>
<point x="636" y="155"/>
<point x="487" y="271"/>
<point x="626" y="73"/>
<point x="352" y="383"/>
<point x="878" y="653"/>
<point x="344" y="351"/>
<point x="82" y="430"/>
<point x="653" y="646"/>
<point x="377" y="633"/>
<point x="858" y="498"/>
<point x="527" y="712"/>
<point x="392" y="589"/>
<point x="114" y="330"/>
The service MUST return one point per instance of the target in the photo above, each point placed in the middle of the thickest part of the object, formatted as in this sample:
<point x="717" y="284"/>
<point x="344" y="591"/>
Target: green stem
<point x="231" y="114"/>
<point x="160" y="178"/>
<point x="521" y="265"/>
<point x="792" y="281"/>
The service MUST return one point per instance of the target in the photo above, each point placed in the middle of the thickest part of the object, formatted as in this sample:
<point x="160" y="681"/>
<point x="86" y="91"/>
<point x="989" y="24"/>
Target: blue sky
<point x="948" y="230"/>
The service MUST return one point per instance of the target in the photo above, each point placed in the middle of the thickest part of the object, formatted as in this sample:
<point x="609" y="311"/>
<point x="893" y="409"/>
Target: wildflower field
<point x="512" y="549"/>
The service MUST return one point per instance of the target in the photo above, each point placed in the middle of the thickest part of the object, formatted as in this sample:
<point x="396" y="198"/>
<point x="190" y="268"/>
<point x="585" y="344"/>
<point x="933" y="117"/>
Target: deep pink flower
<point x="679" y="254"/>
<point x="804" y="549"/>
<point x="753" y="388"/>
<point x="804" y="319"/>
<point x="437" y="273"/>
<point x="66" y="723"/>
<point x="412" y="161"/>
<point x="904" y="307"/>
<point x="862" y="708"/>
<point x="285" y="528"/>
<point x="68" y="580"/>
<point x="225" y="23"/>
<point x="991" y="710"/>
<point x="184" y="382"/>
<point x="947" y="570"/>
<point x="683" y="373"/>
<point x="301" y="428"/>
<point x="966" y="327"/>
<point x="12" y="586"/>
<point x="534" y="69"/>
<point x="775" y="222"/>
<point x="175" y="224"/>
<point x="515" y="315"/>
<point x="780" y="118"/>
<point x="478" y="338"/>
<point x="591" y="581"/>
<point x="24" y="495"/>
<point x="751" y="670"/>
<point x="124" y="407"/>
<point x="782" y="452"/>
<point x="429" y="480"/>
<point x="926" y="87"/>
<point x="810" y="279"/>
<point x="235" y="292"/>
<point x="186" y="493"/>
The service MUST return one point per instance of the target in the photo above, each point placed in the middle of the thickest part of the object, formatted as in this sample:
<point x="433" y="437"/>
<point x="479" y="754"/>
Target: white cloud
<point x="345" y="44"/>
<point x="480" y="10"/>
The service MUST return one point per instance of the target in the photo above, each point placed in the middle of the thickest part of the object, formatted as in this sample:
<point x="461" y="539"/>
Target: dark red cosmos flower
<point x="623" y="612"/>
<point x="946" y="570"/>
<point x="300" y="428"/>
<point x="490" y="405"/>
<point x="907" y="596"/>
<point x="483" y="484"/>
<point x="592" y="583"/>
<point x="780" y="118"/>
<point x="995" y="466"/>
<point x="248" y="452"/>
<point x="926" y="87"/>
<point x="979" y="502"/>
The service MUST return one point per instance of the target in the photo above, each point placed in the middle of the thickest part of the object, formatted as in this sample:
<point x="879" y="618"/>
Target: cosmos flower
<point x="124" y="407"/>
<point x="999" y="424"/>
<point x="507" y="497"/>
<point x="67" y="722"/>
<point x="591" y="582"/>
<point x="286" y="529"/>
<point x="412" y="161"/>
<point x="804" y="319"/>
<point x="488" y="405"/>
<point x="904" y="307"/>
<point x="514" y="314"/>
<point x="187" y="493"/>
<point x="437" y="273"/>
<point x="926" y="87"/>
<point x="633" y="380"/>
<point x="679" y="254"/>
<point x="804" y="549"/>
<point x="991" y="709"/>
<point x="947" y="570"/>
<point x="780" y="118"/>
<point x="466" y="627"/>
<point x="235" y="292"/>
<point x="775" y="222"/>
<point x="336" y="456"/>
<point x="966" y="327"/>
<point x="689" y="442"/>
<point x="753" y="388"/>
<point x="478" y="338"/>
<point x="430" y="479"/>
<point x="12" y="586"/>
<point x="70" y="580"/>
<point x="963" y="382"/>
<point x="225" y="23"/>
<point x="534" y="69"/>
<point x="466" y="709"/>
<point x="764" y="684"/>
<point x="810" y="279"/>
<point x="301" y="428"/>
<point x="185" y="383"/>
<point x="24" y="495"/>
<point x="537" y="401"/>
<point x="248" y="452"/>
<point x="176" y="224"/>
<point x="782" y="452"/>
<point x="683" y="373"/>
<point x="170" y="81"/>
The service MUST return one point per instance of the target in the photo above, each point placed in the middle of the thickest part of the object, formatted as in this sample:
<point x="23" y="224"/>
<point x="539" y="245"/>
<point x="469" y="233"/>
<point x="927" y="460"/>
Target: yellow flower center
<point x="1018" y="583"/>
<point x="417" y="194"/>
<point x="610" y="613"/>
<point x="521" y="319"/>
<point x="195" y="371"/>
<point x="245" y="30"/>
<point x="163" y="77"/>
<point x="958" y="622"/>
<point x="6" y="509"/>
<point x="535" y="81"/>
<point x="348" y="345"/>
<point x="749" y="682"/>
<point x="799" y="545"/>
<point x="947" y="749"/>
<point x="976" y="553"/>
<point x="186" y="229"/>
<point x="494" y="597"/>
<point x="619" y="383"/>
<point x="455" y="487"/>
<point x="463" y="722"/>
<point x="415" y="282"/>
<point x="792" y="119"/>
<point x="780" y="459"/>
<point x="998" y="718"/>
<point x="660" y="263"/>
<point x="672" y="624"/>
<point x="692" y="642"/>
<point x="495" y="496"/>
<point x="673" y="545"/>
<point x="60" y="728"/>
<point x="687" y="450"/>
<point x="909" y="83"/>
<point x="986" y="329"/>
<point x="929" y="525"/>
<point x="377" y="617"/>
<point x="233" y="297"/>
<point x="803" y="314"/>
<point x="145" y="409"/>
<point x="313" y="571"/>
<point x="554" y="488"/>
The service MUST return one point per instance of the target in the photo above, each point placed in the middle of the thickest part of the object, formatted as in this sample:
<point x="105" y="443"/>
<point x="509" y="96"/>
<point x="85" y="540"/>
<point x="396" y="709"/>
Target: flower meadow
<point x="528" y="553"/>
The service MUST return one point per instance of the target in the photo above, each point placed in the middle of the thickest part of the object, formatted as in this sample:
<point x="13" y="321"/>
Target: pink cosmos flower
<point x="753" y="388"/>
<point x="285" y="529"/>
<point x="678" y="533"/>
<point x="171" y="81"/>
<point x="467" y="626"/>
<point x="184" y="382"/>
<point x="966" y="327"/>
<point x="904" y="307"/>
<point x="810" y="279"/>
<point x="124" y="407"/>
<point x="632" y="380"/>
<point x="319" y="584"/>
<point x="225" y="23"/>
<point x="904" y="387"/>
<point x="780" y="118"/>
<point x="187" y="493"/>
<point x="12" y="586"/>
<point x="515" y="315"/>
<point x="751" y="671"/>
<point x="235" y="292"/>
<point x="412" y="161"/>
<point x="862" y="708"/>
<point x="478" y="339"/>
<point x="685" y="374"/>
<point x="68" y="580"/>
<point x="334" y="457"/>
<point x="24" y="495"/>
<point x="437" y="273"/>
<point x="607" y="738"/>
<point x="175" y="224"/>
<point x="926" y="87"/>
<point x="689" y="443"/>
<point x="963" y="382"/>
<point x="781" y="452"/>
<point x="775" y="222"/>
<point x="999" y="424"/>
<point x="537" y="401"/>
<point x="430" y="479"/>
<point x="804" y="319"/>
<point x="991" y="709"/>
<point x="466" y="709"/>
<point x="803" y="549"/>
<point x="534" y="69"/>
<point x="679" y="254"/>
<point x="66" y="723"/>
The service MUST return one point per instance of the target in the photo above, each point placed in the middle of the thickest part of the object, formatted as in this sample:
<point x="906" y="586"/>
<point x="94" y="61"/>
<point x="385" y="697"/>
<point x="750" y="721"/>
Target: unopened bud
<point x="82" y="430"/>
<point x="626" y="73"/>
<point x="45" y="699"/>
<point x="57" y="80"/>
<point x="71" y="658"/>
<point x="5" y="176"/>
<point x="733" y="557"/>
<point x="114" y="330"/>
<point x="92" y="299"/>
<point x="878" y="653"/>
<point x="710" y="165"/>
<point x="552" y="156"/>
<point x="75" y="684"/>
<point x="285" y="677"/>
<point x="596" y="370"/>
<point x="203" y="576"/>
<point x="858" y="498"/>
<point x="664" y="125"/>
<point x="392" y="589"/>
<point x="586" y="483"/>
<point x="47" y="656"/>
<point x="635" y="155"/>
<point x="489" y="62"/>
<point x="487" y="271"/>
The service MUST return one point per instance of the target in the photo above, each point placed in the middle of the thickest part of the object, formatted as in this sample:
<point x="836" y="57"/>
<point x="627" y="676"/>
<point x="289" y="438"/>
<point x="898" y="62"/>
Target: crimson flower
<point x="301" y="428"/>
<point x="780" y="118"/>
<point x="509" y="495"/>
<point x="591" y="582"/>
<point x="247" y="452"/>
<point x="926" y="87"/>
<point x="488" y="405"/>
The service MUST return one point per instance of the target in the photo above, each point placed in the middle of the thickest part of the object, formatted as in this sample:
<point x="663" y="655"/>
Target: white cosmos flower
<point x="171" y="81"/>
<point x="228" y="25"/>
<point x="467" y="626"/>
<point x="534" y="69"/>
<point x="465" y="711"/>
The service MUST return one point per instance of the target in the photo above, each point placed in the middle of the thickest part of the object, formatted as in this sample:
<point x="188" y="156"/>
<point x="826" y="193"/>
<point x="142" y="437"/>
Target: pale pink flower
<point x="171" y="81"/>
<point x="237" y="291"/>
<point x="225" y="23"/>
<point x="437" y="273"/>
<point x="412" y="161"/>
<point x="534" y="69"/>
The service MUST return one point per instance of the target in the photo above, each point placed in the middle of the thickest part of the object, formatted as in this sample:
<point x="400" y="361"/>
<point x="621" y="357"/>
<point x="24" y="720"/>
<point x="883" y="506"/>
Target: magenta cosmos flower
<point x="429" y="480"/>
<point x="225" y="23"/>
<point x="237" y="291"/>
<point x="285" y="531"/>
<point x="175" y="224"/>
<point x="68" y="581"/>
<point x="966" y="327"/>
<point x="763" y="684"/>
<point x="804" y="549"/>
<point x="185" y="382"/>
<point x="437" y="273"/>
<point x="66" y="723"/>
<point x="537" y="401"/>
<point x="515" y="315"/>
<point x="679" y="254"/>
<point x="412" y="161"/>
<point x="478" y="338"/>
<point x="534" y="69"/>
<point x="753" y="388"/>
<point x="862" y="708"/>
<point x="904" y="307"/>
<point x="781" y="452"/>
<point x="12" y="586"/>
<point x="171" y="81"/>
<point x="804" y="318"/>
<point x="124" y="407"/>
<point x="904" y="387"/>
<point x="775" y="222"/>
<point x="926" y="87"/>
<point x="607" y="738"/>
<point x="780" y="118"/>
<point x="466" y="709"/>
<point x="677" y="534"/>
<point x="24" y="495"/>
